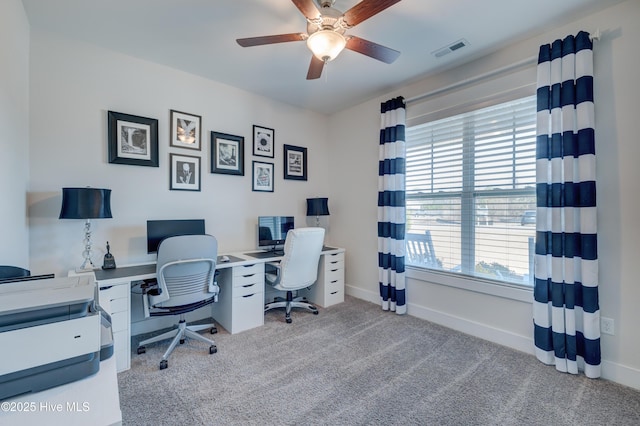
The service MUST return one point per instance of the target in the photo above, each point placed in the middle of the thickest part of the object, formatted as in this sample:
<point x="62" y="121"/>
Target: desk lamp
<point x="86" y="203"/>
<point x="317" y="207"/>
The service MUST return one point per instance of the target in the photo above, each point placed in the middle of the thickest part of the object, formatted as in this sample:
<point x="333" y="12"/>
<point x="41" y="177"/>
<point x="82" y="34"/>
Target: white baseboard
<point x="614" y="372"/>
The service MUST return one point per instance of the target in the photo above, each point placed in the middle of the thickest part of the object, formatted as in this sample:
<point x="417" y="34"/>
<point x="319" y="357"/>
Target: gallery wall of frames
<point x="133" y="140"/>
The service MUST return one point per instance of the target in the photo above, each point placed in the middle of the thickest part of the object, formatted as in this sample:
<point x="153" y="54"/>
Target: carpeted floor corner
<point x="354" y="364"/>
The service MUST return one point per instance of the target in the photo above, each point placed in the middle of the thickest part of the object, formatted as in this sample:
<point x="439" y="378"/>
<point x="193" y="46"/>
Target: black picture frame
<point x="295" y="162"/>
<point x="185" y="130"/>
<point x="262" y="177"/>
<point x="132" y="139"/>
<point x="185" y="172"/>
<point x="263" y="141"/>
<point x="227" y="154"/>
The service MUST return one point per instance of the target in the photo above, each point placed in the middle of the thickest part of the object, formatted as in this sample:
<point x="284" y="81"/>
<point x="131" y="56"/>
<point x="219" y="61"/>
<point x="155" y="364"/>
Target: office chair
<point x="7" y="272"/>
<point x="185" y="281"/>
<point x="297" y="270"/>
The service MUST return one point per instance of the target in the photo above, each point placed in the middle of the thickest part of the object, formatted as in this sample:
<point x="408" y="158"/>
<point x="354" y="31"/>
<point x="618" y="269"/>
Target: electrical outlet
<point x="607" y="326"/>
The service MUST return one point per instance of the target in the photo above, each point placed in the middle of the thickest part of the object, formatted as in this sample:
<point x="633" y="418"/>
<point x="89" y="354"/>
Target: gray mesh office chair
<point x="185" y="274"/>
<point x="297" y="270"/>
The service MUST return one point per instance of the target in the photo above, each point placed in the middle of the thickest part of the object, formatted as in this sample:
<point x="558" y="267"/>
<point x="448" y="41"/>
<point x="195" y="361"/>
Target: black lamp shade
<point x="317" y="207"/>
<point x="85" y="203"/>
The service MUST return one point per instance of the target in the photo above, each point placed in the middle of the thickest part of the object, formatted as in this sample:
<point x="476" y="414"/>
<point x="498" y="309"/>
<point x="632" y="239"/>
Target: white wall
<point x="617" y="64"/>
<point x="73" y="85"/>
<point x="14" y="133"/>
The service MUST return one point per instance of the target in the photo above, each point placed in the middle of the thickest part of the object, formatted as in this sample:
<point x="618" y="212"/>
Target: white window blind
<point x="470" y="183"/>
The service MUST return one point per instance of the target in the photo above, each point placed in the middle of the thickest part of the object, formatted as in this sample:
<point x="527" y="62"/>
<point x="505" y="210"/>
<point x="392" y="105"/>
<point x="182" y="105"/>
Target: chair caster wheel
<point x="214" y="330"/>
<point x="182" y="341"/>
<point x="288" y="320"/>
<point x="213" y="349"/>
<point x="141" y="350"/>
<point x="164" y="364"/>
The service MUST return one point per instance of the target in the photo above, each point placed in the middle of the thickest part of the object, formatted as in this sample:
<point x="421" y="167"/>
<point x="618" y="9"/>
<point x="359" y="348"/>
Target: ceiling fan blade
<point x="315" y="68"/>
<point x="308" y="8"/>
<point x="365" y="10"/>
<point x="371" y="49"/>
<point x="280" y="38"/>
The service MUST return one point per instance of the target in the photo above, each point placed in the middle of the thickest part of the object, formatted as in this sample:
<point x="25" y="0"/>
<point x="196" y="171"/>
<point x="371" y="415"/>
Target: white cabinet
<point x="240" y="303"/>
<point x="329" y="289"/>
<point x="115" y="299"/>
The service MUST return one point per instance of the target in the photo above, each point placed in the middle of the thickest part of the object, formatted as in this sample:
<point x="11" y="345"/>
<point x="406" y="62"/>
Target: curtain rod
<point x="527" y="61"/>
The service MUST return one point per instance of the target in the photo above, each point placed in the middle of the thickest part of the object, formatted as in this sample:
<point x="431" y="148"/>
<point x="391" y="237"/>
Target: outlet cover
<point x="607" y="326"/>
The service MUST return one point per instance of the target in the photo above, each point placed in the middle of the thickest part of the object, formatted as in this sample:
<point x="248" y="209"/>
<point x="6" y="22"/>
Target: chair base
<point x="179" y="335"/>
<point x="289" y="303"/>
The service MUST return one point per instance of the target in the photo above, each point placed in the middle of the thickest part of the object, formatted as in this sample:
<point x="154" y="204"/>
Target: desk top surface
<point x="148" y="270"/>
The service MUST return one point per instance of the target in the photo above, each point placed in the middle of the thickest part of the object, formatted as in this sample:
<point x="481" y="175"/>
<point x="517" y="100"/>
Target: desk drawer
<point x="334" y="257"/>
<point x="256" y="268"/>
<point x="248" y="289"/>
<point x="334" y="275"/>
<point x="243" y="280"/>
<point x="115" y="291"/>
<point x="248" y="312"/>
<point x="119" y="305"/>
<point x="334" y="297"/>
<point x="337" y="264"/>
<point x="334" y="285"/>
<point x="119" y="322"/>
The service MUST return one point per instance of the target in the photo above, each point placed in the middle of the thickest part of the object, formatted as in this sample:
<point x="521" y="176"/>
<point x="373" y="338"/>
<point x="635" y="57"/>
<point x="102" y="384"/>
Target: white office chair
<point x="185" y="282"/>
<point x="297" y="270"/>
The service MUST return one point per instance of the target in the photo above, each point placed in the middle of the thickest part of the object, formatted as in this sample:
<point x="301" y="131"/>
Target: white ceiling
<point x="198" y="36"/>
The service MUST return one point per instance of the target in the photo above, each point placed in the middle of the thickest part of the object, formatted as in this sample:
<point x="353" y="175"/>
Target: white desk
<point x="93" y="400"/>
<point x="241" y="301"/>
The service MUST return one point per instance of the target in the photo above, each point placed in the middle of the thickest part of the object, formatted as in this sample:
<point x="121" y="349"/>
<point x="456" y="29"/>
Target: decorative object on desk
<point x="263" y="141"/>
<point x="317" y="207"/>
<point x="132" y="140"/>
<point x="109" y="261"/>
<point x="295" y="162"/>
<point x="86" y="203"/>
<point x="185" y="173"/>
<point x="185" y="130"/>
<point x="227" y="154"/>
<point x="262" y="179"/>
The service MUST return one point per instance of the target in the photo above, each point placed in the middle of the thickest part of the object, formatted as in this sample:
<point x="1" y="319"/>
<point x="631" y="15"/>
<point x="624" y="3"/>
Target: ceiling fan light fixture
<point x="326" y="44"/>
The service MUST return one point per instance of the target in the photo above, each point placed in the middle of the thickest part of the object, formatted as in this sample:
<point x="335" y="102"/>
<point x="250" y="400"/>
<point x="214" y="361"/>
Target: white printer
<point x="52" y="332"/>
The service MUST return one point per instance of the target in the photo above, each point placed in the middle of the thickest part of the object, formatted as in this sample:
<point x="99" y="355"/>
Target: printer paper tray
<point x="50" y="375"/>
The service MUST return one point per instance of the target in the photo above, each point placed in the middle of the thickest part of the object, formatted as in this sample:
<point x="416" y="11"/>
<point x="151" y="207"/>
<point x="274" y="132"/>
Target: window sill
<point x="478" y="285"/>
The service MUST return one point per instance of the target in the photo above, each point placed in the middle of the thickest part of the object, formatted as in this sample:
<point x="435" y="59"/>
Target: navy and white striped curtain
<point x="391" y="206"/>
<point x="566" y="312"/>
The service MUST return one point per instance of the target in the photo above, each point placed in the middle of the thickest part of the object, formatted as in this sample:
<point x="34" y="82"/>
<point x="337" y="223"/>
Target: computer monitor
<point x="158" y="230"/>
<point x="272" y="231"/>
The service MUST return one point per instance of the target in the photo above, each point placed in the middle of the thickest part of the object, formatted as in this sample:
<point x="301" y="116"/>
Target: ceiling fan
<point x="325" y="36"/>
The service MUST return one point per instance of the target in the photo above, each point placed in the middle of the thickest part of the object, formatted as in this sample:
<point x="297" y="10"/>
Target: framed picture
<point x="132" y="140"/>
<point x="185" y="130"/>
<point x="295" y="162"/>
<point x="263" y="140"/>
<point x="185" y="173"/>
<point x="227" y="154"/>
<point x="262" y="176"/>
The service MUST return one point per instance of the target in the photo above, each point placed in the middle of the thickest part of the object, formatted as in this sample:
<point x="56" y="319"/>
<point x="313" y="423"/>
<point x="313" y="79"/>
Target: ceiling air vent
<point x="450" y="48"/>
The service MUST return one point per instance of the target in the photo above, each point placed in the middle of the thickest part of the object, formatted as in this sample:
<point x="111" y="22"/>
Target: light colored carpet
<point x="354" y="364"/>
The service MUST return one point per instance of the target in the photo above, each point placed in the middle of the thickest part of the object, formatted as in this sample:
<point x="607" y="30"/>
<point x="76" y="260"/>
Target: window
<point x="470" y="182"/>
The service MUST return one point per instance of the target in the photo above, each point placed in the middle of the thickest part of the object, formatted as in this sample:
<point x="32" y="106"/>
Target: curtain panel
<point x="391" y="206"/>
<point x="566" y="310"/>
